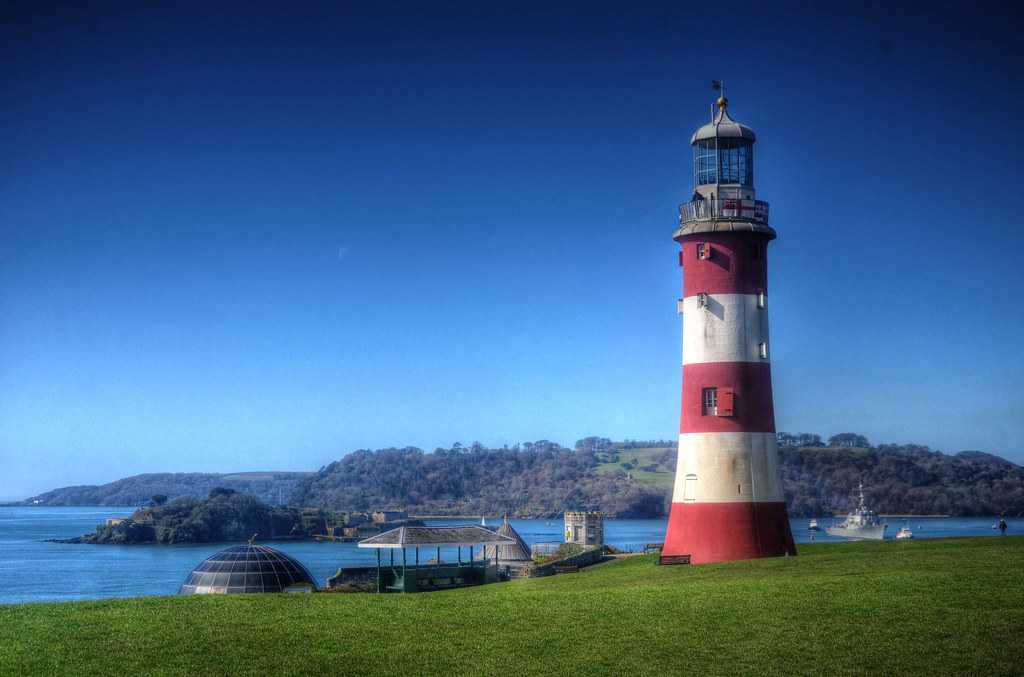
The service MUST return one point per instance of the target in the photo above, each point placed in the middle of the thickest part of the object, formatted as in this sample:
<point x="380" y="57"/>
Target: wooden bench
<point x="674" y="559"/>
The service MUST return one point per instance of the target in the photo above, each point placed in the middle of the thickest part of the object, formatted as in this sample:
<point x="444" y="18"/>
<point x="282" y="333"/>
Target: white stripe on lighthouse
<point x="730" y="328"/>
<point x="727" y="468"/>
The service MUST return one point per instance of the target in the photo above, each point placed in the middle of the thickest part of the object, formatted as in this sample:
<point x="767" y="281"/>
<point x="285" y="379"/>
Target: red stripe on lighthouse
<point x="751" y="385"/>
<point x="735" y="263"/>
<point x="720" y="532"/>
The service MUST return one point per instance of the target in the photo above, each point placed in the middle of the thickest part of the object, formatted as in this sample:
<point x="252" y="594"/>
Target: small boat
<point x="813" y="525"/>
<point x="904" y="533"/>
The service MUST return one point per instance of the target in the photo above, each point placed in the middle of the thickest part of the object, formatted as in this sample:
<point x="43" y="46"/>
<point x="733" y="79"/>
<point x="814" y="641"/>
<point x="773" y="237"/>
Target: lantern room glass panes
<point x="728" y="161"/>
<point x="705" y="162"/>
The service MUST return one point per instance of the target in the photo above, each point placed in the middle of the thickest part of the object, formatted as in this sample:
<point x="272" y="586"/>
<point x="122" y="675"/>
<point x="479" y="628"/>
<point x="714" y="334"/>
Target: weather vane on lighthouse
<point x="727" y="501"/>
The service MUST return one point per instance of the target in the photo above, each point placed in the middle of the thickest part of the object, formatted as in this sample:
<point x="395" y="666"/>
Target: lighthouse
<point x="727" y="501"/>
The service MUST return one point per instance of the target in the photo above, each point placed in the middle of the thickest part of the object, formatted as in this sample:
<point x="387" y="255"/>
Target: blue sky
<point x="260" y="237"/>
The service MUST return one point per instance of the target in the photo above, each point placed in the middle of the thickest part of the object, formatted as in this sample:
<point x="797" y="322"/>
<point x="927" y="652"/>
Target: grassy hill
<point x="928" y="607"/>
<point x="644" y="465"/>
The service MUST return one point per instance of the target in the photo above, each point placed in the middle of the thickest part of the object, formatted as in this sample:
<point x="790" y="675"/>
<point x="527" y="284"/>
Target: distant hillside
<point x="635" y="479"/>
<point x="536" y="479"/>
<point x="273" y="488"/>
<point x="906" y="479"/>
<point x="623" y="479"/>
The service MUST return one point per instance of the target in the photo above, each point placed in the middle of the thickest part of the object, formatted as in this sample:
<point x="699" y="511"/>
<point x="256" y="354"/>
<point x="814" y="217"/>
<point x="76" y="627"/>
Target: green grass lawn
<point x="663" y="478"/>
<point x="929" y="607"/>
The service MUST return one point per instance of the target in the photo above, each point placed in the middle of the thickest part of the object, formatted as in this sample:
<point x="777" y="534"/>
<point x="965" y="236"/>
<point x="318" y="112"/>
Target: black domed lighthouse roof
<point x="248" y="568"/>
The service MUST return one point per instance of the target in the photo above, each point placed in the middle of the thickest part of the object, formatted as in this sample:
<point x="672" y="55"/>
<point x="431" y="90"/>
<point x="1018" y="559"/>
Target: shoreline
<point x="885" y="514"/>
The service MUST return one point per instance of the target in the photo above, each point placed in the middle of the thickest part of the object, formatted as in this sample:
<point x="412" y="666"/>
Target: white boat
<point x="904" y="533"/>
<point x="813" y="525"/>
<point x="860" y="524"/>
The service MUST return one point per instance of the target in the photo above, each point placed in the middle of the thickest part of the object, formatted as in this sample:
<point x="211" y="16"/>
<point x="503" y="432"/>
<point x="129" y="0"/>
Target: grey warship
<point x="861" y="523"/>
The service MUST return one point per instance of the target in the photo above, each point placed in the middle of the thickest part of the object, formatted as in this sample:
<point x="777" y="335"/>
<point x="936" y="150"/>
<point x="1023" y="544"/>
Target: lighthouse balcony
<point x="726" y="209"/>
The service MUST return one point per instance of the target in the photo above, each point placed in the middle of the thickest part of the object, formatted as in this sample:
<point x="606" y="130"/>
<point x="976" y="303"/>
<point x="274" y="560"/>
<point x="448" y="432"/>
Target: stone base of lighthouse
<point x="728" y="502"/>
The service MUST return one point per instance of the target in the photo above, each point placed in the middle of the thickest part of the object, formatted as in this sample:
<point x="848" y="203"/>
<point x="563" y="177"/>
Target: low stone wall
<point x="581" y="559"/>
<point x="353" y="579"/>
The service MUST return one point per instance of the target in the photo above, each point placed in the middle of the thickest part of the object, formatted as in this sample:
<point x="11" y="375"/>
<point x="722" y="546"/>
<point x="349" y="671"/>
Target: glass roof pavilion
<point x="248" y="568"/>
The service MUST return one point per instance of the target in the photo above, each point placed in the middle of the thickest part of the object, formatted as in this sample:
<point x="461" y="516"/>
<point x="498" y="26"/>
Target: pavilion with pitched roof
<point x="414" y="576"/>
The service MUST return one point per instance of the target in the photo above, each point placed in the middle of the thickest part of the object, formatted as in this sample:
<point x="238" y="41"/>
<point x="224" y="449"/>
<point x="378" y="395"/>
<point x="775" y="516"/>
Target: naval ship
<point x="861" y="523"/>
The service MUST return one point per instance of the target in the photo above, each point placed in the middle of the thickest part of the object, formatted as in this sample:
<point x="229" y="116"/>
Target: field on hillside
<point x="925" y="607"/>
<point x="633" y="462"/>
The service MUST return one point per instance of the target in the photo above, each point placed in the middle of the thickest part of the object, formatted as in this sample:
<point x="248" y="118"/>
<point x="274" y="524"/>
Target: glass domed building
<point x="248" y="568"/>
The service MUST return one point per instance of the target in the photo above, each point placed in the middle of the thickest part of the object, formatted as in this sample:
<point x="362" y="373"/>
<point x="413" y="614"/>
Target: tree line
<point x="544" y="479"/>
<point x="539" y="479"/>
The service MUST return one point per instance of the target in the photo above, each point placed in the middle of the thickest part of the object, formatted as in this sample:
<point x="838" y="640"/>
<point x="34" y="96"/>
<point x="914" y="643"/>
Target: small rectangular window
<point x="763" y="350"/>
<point x="702" y="300"/>
<point x="762" y="300"/>
<point x="709" y="398"/>
<point x="703" y="251"/>
<point x="681" y="257"/>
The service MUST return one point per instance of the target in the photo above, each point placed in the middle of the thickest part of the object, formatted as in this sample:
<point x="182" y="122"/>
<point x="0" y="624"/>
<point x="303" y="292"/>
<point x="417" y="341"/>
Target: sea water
<point x="35" y="570"/>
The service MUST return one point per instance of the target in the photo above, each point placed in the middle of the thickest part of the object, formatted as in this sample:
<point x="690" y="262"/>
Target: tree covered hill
<point x="270" y="487"/>
<point x="223" y="516"/>
<point x="634" y="479"/>
<point x="536" y="479"/>
<point x="901" y="479"/>
<point x="623" y="479"/>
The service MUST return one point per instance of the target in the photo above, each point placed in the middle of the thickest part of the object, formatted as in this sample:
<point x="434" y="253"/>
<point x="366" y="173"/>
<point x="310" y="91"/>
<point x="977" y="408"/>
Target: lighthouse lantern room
<point x="727" y="501"/>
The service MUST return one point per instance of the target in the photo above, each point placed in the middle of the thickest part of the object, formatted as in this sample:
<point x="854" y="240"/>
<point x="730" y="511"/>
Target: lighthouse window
<point x="710" y="401"/>
<point x="727" y="161"/>
<point x="736" y="161"/>
<point x="763" y="350"/>
<point x="762" y="300"/>
<point x="705" y="162"/>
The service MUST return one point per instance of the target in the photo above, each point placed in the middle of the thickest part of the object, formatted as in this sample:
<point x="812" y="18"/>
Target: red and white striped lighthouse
<point x="727" y="502"/>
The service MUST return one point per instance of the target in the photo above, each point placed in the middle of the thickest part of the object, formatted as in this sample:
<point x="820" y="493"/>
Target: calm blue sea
<point x="32" y="570"/>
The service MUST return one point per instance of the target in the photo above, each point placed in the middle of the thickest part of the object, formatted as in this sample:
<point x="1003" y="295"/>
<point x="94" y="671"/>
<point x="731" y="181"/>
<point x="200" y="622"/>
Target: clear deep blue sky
<point x="261" y="237"/>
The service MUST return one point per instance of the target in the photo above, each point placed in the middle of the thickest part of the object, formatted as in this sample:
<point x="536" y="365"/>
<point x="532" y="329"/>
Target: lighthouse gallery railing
<point x="727" y="208"/>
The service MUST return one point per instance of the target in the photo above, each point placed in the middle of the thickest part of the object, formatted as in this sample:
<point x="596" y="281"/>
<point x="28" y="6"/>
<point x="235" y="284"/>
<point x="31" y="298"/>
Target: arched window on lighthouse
<point x="690" y="488"/>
